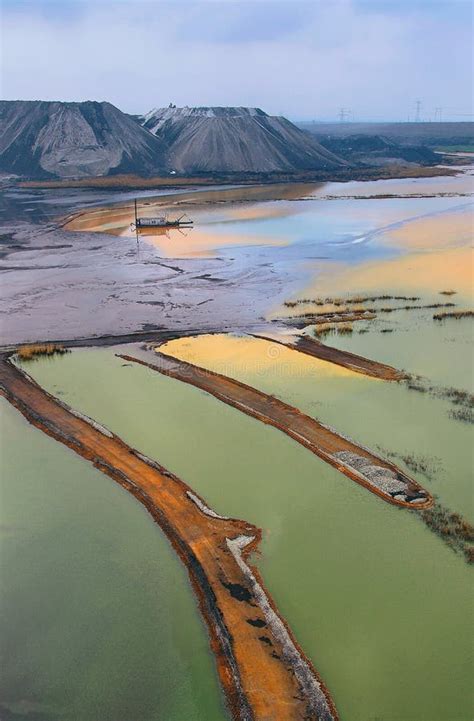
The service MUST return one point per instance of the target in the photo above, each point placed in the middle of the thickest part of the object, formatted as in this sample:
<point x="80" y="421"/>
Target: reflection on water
<point x="292" y="222"/>
<point x="423" y="274"/>
<point x="377" y="601"/>
<point x="374" y="412"/>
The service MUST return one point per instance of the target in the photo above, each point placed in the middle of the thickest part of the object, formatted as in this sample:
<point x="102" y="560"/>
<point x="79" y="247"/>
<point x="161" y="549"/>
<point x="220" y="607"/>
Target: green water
<point x="384" y="416"/>
<point x="439" y="350"/>
<point x="98" y="622"/>
<point x="375" y="599"/>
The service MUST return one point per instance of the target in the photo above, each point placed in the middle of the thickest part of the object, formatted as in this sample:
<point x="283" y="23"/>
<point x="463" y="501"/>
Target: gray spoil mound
<point x="240" y="140"/>
<point x="383" y="478"/>
<point x="44" y="139"/>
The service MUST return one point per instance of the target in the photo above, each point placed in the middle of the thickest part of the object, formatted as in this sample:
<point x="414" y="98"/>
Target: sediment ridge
<point x="352" y="361"/>
<point x="379" y="476"/>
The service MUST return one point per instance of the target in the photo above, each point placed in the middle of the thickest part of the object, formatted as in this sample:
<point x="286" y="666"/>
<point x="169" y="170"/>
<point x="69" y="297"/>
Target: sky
<point x="305" y="59"/>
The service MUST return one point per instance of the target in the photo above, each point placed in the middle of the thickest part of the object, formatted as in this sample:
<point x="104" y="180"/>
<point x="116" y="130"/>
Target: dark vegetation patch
<point x="462" y="400"/>
<point x="347" y="310"/>
<point x="455" y="530"/>
<point x="336" y="313"/>
<point x="447" y="292"/>
<point x="466" y="415"/>
<point x="457" y="314"/>
<point x="459" y="398"/>
<point x="323" y="320"/>
<point x="414" y="307"/>
<point x="363" y="311"/>
<point x="425" y="465"/>
<point x="347" y="301"/>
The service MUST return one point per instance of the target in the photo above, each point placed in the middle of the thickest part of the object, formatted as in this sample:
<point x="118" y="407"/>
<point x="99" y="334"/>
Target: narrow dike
<point x="344" y="358"/>
<point x="264" y="673"/>
<point x="379" y="476"/>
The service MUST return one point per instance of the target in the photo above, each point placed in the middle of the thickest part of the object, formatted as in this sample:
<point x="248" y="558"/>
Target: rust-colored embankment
<point x="356" y="363"/>
<point x="265" y="675"/>
<point x="381" y="477"/>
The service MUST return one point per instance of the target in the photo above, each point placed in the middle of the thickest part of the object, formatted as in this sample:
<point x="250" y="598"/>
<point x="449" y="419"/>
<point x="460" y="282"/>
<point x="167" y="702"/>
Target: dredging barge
<point x="160" y="221"/>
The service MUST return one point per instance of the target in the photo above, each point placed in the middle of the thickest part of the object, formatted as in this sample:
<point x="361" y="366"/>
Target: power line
<point x="418" y="109"/>
<point x="343" y="114"/>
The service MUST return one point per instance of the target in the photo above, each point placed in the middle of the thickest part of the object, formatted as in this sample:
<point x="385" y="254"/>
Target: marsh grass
<point x="35" y="350"/>
<point x="463" y="401"/>
<point x="466" y="415"/>
<point x="451" y="527"/>
<point x="356" y="299"/>
<point x="456" y="314"/>
<point x="425" y="465"/>
<point x="324" y="329"/>
<point x="344" y="329"/>
<point x="455" y="530"/>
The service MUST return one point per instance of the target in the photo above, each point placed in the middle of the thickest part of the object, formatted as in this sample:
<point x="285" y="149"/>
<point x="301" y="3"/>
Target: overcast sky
<point x="302" y="59"/>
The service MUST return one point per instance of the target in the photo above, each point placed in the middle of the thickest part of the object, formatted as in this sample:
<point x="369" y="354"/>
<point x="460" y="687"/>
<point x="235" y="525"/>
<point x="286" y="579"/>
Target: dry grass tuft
<point x="29" y="352"/>
<point x="344" y="329"/>
<point x="323" y="329"/>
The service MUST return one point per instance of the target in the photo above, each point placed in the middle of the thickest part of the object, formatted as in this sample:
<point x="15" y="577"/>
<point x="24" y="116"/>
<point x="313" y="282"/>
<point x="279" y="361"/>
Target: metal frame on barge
<point x="159" y="221"/>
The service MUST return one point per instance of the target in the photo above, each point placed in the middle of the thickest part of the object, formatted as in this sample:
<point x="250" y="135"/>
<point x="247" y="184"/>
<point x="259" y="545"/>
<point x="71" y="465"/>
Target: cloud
<point x="302" y="59"/>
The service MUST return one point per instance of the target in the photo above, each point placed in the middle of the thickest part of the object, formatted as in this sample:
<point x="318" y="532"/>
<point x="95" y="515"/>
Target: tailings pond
<point x="377" y="601"/>
<point x="98" y="620"/>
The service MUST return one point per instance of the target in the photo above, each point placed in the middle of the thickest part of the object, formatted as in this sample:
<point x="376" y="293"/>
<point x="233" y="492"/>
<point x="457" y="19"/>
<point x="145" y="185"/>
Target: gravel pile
<point x="383" y="478"/>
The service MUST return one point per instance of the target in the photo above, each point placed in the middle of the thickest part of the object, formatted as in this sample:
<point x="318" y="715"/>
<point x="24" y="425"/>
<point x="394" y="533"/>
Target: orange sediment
<point x="264" y="673"/>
